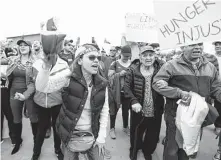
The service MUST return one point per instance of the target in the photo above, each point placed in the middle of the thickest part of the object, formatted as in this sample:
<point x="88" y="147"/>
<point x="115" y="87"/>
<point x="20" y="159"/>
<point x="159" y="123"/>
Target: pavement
<point x="119" y="148"/>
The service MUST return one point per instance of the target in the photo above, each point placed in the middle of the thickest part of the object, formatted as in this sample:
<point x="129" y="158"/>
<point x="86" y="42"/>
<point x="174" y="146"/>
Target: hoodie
<point x="52" y="43"/>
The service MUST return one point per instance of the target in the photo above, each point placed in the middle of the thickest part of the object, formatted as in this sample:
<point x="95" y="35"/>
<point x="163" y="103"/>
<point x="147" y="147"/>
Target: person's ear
<point x="80" y="61"/>
<point x="203" y="47"/>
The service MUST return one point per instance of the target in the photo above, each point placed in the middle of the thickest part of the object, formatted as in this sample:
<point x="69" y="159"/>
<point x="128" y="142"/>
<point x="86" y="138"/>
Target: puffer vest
<point x="74" y="98"/>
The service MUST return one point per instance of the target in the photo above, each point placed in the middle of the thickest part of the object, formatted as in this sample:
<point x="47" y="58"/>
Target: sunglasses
<point x="93" y="57"/>
<point x="113" y="50"/>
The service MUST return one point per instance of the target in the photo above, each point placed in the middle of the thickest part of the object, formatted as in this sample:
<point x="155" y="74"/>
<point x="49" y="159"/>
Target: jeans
<point x="45" y="115"/>
<point x="6" y="111"/>
<point x="17" y="107"/>
<point x="92" y="154"/>
<point x="125" y="112"/>
<point x="171" y="149"/>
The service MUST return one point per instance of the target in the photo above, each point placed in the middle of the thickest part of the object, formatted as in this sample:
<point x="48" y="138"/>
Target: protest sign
<point x="141" y="27"/>
<point x="187" y="22"/>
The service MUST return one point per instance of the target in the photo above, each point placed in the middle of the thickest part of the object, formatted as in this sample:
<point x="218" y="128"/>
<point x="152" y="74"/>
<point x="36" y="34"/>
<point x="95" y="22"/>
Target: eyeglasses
<point x="113" y="50"/>
<point x="93" y="57"/>
<point x="147" y="54"/>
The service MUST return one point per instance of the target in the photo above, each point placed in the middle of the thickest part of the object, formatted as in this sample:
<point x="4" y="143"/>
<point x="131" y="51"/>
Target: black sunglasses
<point x="93" y="57"/>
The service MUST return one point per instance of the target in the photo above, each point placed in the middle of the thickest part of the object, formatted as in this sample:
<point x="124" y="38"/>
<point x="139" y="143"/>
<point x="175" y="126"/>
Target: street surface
<point x="119" y="148"/>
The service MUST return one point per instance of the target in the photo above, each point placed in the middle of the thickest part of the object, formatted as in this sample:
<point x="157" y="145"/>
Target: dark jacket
<point x="181" y="76"/>
<point x="212" y="59"/>
<point x="74" y="97"/>
<point x="134" y="87"/>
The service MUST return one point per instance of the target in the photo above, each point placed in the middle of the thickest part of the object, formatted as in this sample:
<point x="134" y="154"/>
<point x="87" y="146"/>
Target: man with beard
<point x="37" y="50"/>
<point x="192" y="72"/>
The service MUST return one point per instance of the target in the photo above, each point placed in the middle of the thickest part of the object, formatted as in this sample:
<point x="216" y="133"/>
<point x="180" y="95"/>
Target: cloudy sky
<point x="85" y="18"/>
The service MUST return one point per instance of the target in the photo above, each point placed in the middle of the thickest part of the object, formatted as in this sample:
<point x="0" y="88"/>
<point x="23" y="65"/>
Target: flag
<point x="51" y="25"/>
<point x="105" y="41"/>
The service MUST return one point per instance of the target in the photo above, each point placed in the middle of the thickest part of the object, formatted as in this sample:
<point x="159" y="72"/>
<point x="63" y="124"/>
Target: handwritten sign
<point x="141" y="27"/>
<point x="187" y="22"/>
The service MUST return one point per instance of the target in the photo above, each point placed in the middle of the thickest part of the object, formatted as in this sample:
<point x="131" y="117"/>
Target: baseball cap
<point x="146" y="48"/>
<point x="66" y="41"/>
<point x="126" y="50"/>
<point x="23" y="41"/>
<point x="216" y="42"/>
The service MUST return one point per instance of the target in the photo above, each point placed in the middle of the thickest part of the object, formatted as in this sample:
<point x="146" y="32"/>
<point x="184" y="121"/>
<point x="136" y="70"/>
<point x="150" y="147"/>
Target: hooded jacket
<point x="52" y="44"/>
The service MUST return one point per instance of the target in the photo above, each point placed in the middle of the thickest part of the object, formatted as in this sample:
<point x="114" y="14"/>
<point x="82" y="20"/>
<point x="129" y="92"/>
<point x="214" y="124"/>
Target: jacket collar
<point x="77" y="74"/>
<point x="135" y="65"/>
<point x="183" y="60"/>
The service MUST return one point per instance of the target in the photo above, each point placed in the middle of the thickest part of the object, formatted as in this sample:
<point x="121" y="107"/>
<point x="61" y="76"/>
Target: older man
<point x="192" y="72"/>
<point x="147" y="105"/>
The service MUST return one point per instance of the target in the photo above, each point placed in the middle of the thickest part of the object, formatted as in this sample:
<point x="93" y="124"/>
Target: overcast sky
<point x="85" y="18"/>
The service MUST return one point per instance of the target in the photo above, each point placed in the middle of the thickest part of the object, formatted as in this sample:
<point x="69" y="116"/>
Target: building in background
<point x="28" y="37"/>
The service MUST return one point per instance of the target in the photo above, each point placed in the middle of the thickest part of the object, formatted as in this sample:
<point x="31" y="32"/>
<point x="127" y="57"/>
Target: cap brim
<point x="21" y="41"/>
<point x="216" y="42"/>
<point x="147" y="50"/>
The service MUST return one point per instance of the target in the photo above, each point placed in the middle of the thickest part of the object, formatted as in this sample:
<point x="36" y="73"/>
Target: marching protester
<point x="146" y="104"/>
<point x="106" y="62"/>
<point x="84" y="113"/>
<point x="116" y="76"/>
<point x="217" y="105"/>
<point x="37" y="50"/>
<point x="68" y="53"/>
<point x="113" y="53"/>
<point x="191" y="72"/>
<point x="38" y="54"/>
<point x="21" y="91"/>
<point x="5" y="98"/>
<point x="48" y="104"/>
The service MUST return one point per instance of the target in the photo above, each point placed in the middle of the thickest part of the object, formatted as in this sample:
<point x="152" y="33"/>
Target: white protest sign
<point x="187" y="22"/>
<point x="141" y="27"/>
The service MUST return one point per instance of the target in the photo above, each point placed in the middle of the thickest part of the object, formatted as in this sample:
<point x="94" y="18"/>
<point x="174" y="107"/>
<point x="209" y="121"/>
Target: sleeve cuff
<point x="179" y="92"/>
<point x="101" y="135"/>
<point x="134" y="101"/>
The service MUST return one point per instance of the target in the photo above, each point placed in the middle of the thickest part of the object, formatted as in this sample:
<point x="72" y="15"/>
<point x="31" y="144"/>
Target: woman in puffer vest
<point x="85" y="103"/>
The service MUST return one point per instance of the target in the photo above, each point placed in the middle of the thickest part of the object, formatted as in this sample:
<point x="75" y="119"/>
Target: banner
<point x="141" y="27"/>
<point x="187" y="22"/>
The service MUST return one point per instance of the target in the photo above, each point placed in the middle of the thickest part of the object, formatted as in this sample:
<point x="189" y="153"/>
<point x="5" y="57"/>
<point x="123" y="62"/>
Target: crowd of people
<point x="76" y="90"/>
